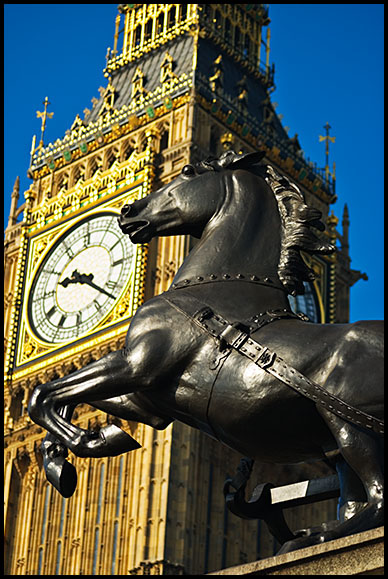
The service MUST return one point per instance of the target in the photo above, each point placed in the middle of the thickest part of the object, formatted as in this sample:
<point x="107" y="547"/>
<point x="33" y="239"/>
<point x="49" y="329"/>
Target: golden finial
<point x="227" y="141"/>
<point x="327" y="138"/>
<point x="332" y="221"/>
<point x="116" y="36"/>
<point x="43" y="115"/>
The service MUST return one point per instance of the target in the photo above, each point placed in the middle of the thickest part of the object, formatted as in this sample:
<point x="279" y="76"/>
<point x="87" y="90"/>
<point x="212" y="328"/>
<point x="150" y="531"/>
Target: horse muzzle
<point x="138" y="230"/>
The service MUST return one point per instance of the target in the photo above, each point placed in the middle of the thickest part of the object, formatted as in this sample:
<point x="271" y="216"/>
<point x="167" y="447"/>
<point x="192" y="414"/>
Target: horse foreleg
<point x="127" y="408"/>
<point x="98" y="380"/>
<point x="61" y="473"/>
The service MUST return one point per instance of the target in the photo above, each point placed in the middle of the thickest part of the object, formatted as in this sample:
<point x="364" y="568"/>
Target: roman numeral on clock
<point x="68" y="250"/>
<point x="51" y="312"/>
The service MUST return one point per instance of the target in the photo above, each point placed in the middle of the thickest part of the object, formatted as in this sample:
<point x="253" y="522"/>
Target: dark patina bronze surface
<point x="252" y="224"/>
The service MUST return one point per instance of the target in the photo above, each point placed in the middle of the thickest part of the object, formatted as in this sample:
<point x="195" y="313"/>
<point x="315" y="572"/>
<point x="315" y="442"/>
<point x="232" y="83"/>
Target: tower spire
<point x="14" y="202"/>
<point x="43" y="115"/>
<point x="328" y="138"/>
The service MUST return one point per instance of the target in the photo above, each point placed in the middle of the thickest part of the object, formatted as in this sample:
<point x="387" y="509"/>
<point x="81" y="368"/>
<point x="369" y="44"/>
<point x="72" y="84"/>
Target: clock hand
<point x="65" y="282"/>
<point x="88" y="281"/>
<point x="77" y="277"/>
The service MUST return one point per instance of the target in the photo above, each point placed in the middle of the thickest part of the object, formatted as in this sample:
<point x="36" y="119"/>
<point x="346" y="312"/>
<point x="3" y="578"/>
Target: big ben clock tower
<point x="182" y="81"/>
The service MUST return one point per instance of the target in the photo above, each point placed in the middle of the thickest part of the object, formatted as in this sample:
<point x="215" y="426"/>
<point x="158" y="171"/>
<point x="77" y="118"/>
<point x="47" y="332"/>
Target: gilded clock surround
<point x="133" y="184"/>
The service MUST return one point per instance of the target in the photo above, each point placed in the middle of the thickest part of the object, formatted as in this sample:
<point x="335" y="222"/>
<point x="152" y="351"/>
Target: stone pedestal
<point x="360" y="554"/>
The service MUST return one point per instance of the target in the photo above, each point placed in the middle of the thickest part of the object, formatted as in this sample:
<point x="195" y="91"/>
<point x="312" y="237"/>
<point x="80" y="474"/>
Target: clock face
<point x="306" y="303"/>
<point x="80" y="279"/>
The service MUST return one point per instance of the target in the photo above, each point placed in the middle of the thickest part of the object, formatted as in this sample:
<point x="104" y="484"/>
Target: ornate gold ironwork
<point x="327" y="138"/>
<point x="43" y="115"/>
<point x="216" y="80"/>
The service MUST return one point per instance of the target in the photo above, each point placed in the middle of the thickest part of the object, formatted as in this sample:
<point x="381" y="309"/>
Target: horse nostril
<point x="125" y="210"/>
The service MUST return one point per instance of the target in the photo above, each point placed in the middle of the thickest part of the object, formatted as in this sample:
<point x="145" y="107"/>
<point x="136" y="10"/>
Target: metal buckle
<point x="233" y="336"/>
<point x="266" y="359"/>
<point x="204" y="314"/>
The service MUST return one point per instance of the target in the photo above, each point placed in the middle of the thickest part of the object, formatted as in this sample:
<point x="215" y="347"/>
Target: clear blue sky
<point x="328" y="68"/>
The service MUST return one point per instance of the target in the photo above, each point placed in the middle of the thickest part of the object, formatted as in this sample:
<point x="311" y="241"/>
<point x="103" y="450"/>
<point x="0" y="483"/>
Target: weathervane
<point x="43" y="116"/>
<point x="327" y="138"/>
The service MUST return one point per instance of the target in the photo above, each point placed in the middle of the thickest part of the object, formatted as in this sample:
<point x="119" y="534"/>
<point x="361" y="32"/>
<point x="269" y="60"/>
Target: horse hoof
<point x="299" y="543"/>
<point x="117" y="441"/>
<point x="109" y="441"/>
<point x="62" y="475"/>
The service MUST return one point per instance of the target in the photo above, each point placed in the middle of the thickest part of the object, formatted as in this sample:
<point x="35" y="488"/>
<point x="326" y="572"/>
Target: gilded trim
<point x="30" y="347"/>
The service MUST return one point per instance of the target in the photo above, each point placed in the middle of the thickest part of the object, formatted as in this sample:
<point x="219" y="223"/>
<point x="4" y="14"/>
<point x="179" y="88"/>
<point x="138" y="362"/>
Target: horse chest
<point x="189" y="400"/>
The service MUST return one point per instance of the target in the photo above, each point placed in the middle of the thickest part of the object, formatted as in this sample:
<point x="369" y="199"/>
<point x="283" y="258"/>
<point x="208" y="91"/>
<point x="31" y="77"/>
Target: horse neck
<point x="243" y="237"/>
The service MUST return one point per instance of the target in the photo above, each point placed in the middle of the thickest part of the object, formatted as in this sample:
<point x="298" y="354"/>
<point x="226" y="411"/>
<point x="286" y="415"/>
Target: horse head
<point x="183" y="206"/>
<point x="264" y="217"/>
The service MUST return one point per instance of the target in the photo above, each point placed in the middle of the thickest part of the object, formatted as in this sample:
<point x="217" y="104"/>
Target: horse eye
<point x="188" y="170"/>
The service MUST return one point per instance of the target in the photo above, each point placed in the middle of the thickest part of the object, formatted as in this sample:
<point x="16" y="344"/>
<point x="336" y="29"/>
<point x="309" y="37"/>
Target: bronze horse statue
<point x="252" y="224"/>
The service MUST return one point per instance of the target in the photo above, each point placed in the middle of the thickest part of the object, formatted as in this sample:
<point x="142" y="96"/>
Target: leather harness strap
<point x="237" y="336"/>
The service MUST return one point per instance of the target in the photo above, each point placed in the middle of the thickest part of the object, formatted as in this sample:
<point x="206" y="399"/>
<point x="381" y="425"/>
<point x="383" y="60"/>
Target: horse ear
<point x="247" y="160"/>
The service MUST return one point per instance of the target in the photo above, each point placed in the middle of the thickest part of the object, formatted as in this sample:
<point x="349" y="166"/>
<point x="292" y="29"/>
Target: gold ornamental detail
<point x="31" y="348"/>
<point x="40" y="247"/>
<point x="122" y="310"/>
<point x="132" y="180"/>
<point x="85" y="195"/>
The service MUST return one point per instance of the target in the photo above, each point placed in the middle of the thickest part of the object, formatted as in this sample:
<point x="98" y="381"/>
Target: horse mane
<point x="297" y="218"/>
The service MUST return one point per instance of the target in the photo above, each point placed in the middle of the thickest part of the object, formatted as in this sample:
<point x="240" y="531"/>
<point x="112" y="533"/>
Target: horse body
<point x="201" y="392"/>
<point x="251" y="223"/>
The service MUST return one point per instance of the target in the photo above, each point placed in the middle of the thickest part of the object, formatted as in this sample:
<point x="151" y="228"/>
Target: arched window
<point x="60" y="534"/>
<point x="207" y="11"/>
<point x="148" y="30"/>
<point x="93" y="166"/>
<point x="117" y="515"/>
<point x="43" y="533"/>
<point x="16" y="407"/>
<point x="11" y="536"/>
<point x="171" y="17"/>
<point x="160" y="23"/>
<point x="137" y="35"/>
<point x="218" y="20"/>
<point x="110" y="159"/>
<point x="247" y="47"/>
<point x="164" y="141"/>
<point x="237" y="38"/>
<point x="228" y="30"/>
<point x="128" y="152"/>
<point x="97" y="539"/>
<point x="183" y="11"/>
